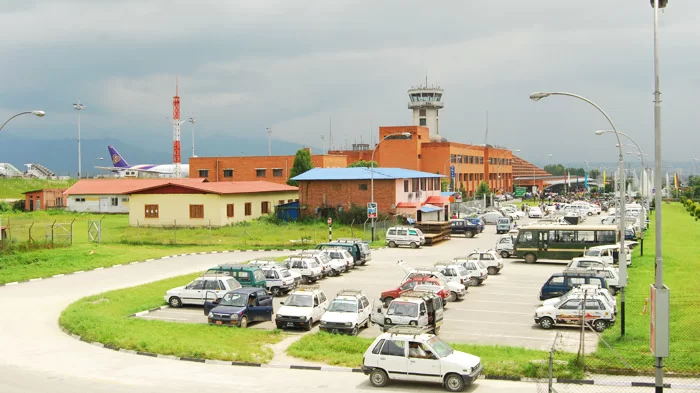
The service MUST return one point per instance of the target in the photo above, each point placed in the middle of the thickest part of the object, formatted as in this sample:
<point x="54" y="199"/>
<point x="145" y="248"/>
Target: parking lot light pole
<point x="79" y="108"/>
<point x="35" y="113"/>
<point x="629" y="138"/>
<point x="622" y="256"/>
<point x="371" y="170"/>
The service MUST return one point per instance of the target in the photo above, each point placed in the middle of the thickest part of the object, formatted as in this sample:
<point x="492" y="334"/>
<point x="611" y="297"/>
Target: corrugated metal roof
<point x="122" y="186"/>
<point x="429" y="208"/>
<point x="362" y="173"/>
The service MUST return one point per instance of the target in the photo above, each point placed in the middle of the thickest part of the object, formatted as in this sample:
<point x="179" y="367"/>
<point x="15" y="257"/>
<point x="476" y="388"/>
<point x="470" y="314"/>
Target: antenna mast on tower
<point x="176" y="132"/>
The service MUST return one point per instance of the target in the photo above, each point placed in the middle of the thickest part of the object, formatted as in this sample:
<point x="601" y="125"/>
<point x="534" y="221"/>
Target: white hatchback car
<point x="406" y="354"/>
<point x="404" y="236"/>
<point x="534" y="212"/>
<point x="493" y="261"/>
<point x="340" y="254"/>
<point x="570" y="309"/>
<point x="348" y="312"/>
<point x="201" y="289"/>
<point x="302" y="308"/>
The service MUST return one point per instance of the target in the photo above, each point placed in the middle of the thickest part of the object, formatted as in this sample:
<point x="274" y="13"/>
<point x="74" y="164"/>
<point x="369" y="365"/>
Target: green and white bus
<point x="561" y="241"/>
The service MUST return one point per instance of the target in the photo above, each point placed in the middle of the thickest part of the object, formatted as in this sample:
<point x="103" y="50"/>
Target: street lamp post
<point x="79" y="107"/>
<point x="35" y="113"/>
<point x="371" y="170"/>
<point x="621" y="225"/>
<point x="661" y="345"/>
<point x="192" y="121"/>
<point x="629" y="138"/>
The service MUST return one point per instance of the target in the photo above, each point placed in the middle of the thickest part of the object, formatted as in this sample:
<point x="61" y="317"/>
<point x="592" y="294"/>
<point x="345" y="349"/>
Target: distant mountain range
<point x="61" y="155"/>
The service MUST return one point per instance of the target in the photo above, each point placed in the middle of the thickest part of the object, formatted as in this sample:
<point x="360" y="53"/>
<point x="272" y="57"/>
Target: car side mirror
<point x="281" y="303"/>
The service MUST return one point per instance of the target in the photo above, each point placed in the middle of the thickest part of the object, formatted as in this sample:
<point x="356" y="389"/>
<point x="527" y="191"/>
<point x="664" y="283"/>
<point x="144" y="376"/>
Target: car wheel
<point x="279" y="325"/>
<point x="392" y="244"/>
<point x="612" y="291"/>
<point x="175" y="302"/>
<point x="436" y="330"/>
<point x="309" y="325"/>
<point x="387" y="301"/>
<point x="275" y="291"/>
<point x="546" y="323"/>
<point x="243" y="323"/>
<point x="355" y="331"/>
<point x="505" y="254"/>
<point x="600" y="325"/>
<point x="378" y="378"/>
<point x="492" y="270"/>
<point x="468" y="234"/>
<point x="454" y="383"/>
<point x="530" y="258"/>
<point x="453" y="297"/>
<point x="414" y="245"/>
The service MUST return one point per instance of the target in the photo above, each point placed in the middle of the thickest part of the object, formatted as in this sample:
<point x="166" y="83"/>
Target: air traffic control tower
<point x="426" y="102"/>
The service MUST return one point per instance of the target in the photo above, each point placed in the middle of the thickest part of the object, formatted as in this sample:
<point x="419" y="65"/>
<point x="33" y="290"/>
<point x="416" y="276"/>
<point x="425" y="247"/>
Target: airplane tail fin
<point x="117" y="160"/>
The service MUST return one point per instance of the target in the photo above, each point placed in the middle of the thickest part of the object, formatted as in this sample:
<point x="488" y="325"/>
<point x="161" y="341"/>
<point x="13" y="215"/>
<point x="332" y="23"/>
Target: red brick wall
<point x="345" y="193"/>
<point x="244" y="167"/>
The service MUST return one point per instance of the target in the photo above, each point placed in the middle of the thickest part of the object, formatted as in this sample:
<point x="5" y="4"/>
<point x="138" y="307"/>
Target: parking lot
<point x="500" y="312"/>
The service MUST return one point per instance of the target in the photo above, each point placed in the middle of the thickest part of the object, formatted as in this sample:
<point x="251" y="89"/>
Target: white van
<point x="404" y="236"/>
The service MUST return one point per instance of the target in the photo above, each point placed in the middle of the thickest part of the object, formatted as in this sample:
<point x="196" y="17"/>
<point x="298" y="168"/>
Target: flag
<point x="568" y="178"/>
<point x="604" y="178"/>
<point x="675" y="180"/>
<point x="585" y="180"/>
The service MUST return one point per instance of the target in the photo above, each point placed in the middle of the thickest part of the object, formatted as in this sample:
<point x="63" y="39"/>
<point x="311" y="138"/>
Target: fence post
<point x="352" y="232"/>
<point x="71" y="232"/>
<point x="52" y="227"/>
<point x="99" y="234"/>
<point x="174" y="231"/>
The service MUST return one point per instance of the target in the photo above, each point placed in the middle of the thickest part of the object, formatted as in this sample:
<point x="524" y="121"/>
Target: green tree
<point x="363" y="163"/>
<point x="482" y="189"/>
<point x="555" y="169"/>
<point x="594" y="173"/>
<point x="302" y="163"/>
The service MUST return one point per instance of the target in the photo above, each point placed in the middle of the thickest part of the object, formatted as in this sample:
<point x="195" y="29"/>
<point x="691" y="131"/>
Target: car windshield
<point x="481" y="264"/>
<point x="402" y="309"/>
<point x="343" y="305"/>
<point x="299" y="301"/>
<point x="285" y="273"/>
<point x="234" y="299"/>
<point x="462" y="271"/>
<point x="592" y="253"/>
<point x="441" y="348"/>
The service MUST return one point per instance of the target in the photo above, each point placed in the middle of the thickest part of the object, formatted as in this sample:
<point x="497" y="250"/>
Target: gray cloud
<point x="291" y="65"/>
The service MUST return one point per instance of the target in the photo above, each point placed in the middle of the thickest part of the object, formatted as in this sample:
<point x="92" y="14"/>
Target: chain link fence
<point x="20" y="233"/>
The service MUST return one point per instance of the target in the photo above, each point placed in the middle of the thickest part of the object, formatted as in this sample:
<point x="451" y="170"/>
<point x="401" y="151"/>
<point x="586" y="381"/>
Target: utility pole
<point x="79" y="107"/>
<point x="269" y="141"/>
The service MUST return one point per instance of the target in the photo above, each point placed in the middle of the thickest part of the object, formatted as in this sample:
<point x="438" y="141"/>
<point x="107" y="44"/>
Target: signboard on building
<point x="372" y="210"/>
<point x="520" y="191"/>
<point x="452" y="171"/>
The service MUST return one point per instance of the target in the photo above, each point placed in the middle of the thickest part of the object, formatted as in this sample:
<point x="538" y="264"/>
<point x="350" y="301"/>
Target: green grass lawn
<point x="12" y="188"/>
<point x="681" y="236"/>
<point x="343" y="350"/>
<point x="122" y="243"/>
<point x="105" y="318"/>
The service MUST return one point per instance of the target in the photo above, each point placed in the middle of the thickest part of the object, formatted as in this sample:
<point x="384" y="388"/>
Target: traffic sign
<point x="330" y="221"/>
<point x="372" y="210"/>
<point x="452" y="171"/>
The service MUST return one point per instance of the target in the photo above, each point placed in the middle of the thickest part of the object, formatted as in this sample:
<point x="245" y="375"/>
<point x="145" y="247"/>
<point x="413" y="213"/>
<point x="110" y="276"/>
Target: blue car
<point x="240" y="307"/>
<point x="561" y="283"/>
<point x="478" y="222"/>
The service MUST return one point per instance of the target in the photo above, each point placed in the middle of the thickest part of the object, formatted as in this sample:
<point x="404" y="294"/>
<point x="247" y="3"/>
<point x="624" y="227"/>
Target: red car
<point x="387" y="296"/>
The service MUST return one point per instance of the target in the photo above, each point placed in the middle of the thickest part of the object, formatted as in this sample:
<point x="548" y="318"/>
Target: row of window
<point x="500" y="161"/>
<point x="461" y="159"/>
<point x="421" y="184"/>
<point x="197" y="211"/>
<point x="259" y="172"/>
<point x="114" y="201"/>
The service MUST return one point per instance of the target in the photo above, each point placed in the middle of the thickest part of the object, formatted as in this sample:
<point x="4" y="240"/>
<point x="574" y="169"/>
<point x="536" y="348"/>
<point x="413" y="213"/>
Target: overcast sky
<point x="293" y="64"/>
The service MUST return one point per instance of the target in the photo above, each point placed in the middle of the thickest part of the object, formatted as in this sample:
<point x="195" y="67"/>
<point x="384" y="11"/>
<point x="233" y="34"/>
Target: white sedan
<point x="534" y="212"/>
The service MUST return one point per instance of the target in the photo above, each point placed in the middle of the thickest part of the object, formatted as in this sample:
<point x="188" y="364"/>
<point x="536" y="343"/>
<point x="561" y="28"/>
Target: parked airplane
<point x="123" y="169"/>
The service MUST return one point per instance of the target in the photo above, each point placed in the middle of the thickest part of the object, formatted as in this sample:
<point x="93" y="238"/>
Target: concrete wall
<point x="174" y="209"/>
<point x="98" y="203"/>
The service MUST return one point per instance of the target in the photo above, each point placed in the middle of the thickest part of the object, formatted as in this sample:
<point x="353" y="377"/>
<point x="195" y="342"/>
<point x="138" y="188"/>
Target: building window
<point x="423" y="184"/>
<point x="196" y="211"/>
<point x="264" y="207"/>
<point x="204" y="173"/>
<point x="405" y="186"/>
<point x="248" y="208"/>
<point x="362" y="186"/>
<point x="421" y="112"/>
<point x="228" y="172"/>
<point x="79" y="199"/>
<point x="277" y="172"/>
<point x="422" y="121"/>
<point x="151" y="211"/>
<point x="414" y="185"/>
<point x="115" y="201"/>
<point x="125" y="199"/>
<point x="229" y="210"/>
<point x="260" y="173"/>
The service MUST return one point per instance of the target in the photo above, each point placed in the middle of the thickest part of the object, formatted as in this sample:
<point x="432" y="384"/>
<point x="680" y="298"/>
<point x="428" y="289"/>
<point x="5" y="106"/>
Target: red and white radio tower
<point x="176" y="132"/>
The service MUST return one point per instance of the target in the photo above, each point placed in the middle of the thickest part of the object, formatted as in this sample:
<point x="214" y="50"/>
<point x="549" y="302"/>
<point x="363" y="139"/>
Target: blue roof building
<point x="397" y="191"/>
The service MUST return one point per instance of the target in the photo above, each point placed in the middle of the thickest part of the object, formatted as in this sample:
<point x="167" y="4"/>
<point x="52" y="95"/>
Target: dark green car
<point x="247" y="275"/>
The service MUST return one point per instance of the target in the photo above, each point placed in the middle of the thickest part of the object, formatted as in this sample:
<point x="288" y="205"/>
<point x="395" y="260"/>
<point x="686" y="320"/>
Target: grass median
<point x="105" y="318"/>
<point x="342" y="350"/>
